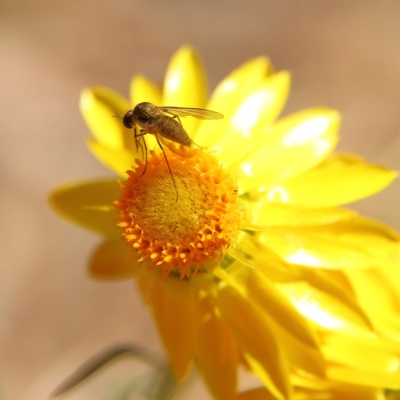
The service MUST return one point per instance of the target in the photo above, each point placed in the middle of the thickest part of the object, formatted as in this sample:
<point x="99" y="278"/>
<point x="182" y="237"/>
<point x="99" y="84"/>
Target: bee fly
<point x="163" y="123"/>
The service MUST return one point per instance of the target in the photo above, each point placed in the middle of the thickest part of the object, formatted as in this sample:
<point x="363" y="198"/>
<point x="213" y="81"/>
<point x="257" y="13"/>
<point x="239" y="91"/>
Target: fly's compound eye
<point x="127" y="120"/>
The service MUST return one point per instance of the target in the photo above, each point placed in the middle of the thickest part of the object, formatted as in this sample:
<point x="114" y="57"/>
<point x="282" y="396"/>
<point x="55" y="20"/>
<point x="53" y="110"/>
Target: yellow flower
<point x="254" y="264"/>
<point x="321" y="390"/>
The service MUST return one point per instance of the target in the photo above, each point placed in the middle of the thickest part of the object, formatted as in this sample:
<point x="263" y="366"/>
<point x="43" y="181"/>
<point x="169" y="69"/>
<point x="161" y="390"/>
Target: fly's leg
<point x="145" y="152"/>
<point x="169" y="168"/>
<point x="138" y="145"/>
<point x="138" y="137"/>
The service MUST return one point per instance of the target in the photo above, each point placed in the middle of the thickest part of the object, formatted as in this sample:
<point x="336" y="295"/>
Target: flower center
<point x="179" y="228"/>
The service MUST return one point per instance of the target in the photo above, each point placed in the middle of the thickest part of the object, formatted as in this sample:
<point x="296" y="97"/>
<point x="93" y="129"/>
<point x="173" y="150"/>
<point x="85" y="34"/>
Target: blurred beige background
<point x="343" y="54"/>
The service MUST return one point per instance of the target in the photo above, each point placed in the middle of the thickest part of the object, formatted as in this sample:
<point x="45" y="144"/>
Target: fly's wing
<point x="199" y="113"/>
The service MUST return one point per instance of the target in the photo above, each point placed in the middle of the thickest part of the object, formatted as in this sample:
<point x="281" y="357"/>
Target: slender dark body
<point x="152" y="119"/>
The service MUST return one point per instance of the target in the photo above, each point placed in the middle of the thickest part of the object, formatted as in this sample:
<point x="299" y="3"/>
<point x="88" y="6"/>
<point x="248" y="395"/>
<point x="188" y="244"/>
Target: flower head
<point x="182" y="235"/>
<point x="240" y="247"/>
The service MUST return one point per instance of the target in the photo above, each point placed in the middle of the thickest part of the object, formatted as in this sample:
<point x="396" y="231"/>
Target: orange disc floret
<point x="180" y="228"/>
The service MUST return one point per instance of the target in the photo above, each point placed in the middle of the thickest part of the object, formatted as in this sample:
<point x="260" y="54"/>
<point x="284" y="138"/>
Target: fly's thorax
<point x="145" y="111"/>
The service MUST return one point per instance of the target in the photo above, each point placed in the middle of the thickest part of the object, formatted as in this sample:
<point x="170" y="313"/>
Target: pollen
<point x="184" y="227"/>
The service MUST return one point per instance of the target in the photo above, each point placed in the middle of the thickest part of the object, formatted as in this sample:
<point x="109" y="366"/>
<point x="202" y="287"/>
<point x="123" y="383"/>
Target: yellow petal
<point x="185" y="84"/>
<point x="309" y="388"/>
<point x="263" y="259"/>
<point x="98" y="104"/>
<point x="336" y="287"/>
<point x="172" y="304"/>
<point x="326" y="309"/>
<point x="261" y="291"/>
<point x="367" y="378"/>
<point x="292" y="146"/>
<point x="113" y="259"/>
<point x="256" y="394"/>
<point x="386" y="273"/>
<point x="89" y="204"/>
<point x="301" y="344"/>
<point x="388" y="327"/>
<point x="344" y="391"/>
<point x="258" y="368"/>
<point x="299" y="341"/>
<point x="265" y="213"/>
<point x="228" y="96"/>
<point x="371" y="281"/>
<point x="215" y="347"/>
<point x="352" y="243"/>
<point x="341" y="179"/>
<point x="117" y="159"/>
<point x="247" y="125"/>
<point x="383" y="306"/>
<point x="340" y="391"/>
<point x="254" y="335"/>
<point x="366" y="354"/>
<point x="142" y="89"/>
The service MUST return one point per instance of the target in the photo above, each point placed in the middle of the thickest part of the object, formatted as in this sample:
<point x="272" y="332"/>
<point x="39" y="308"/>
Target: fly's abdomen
<point x="171" y="129"/>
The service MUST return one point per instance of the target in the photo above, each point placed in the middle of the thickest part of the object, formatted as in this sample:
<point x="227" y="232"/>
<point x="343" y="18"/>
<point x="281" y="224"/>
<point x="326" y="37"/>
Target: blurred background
<point x="343" y="54"/>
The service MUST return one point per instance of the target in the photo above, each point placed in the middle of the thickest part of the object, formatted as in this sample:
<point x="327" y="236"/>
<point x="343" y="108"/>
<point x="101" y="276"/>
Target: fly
<point x="163" y="123"/>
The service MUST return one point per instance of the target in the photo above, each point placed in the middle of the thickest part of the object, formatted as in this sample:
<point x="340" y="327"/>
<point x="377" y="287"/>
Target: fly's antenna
<point x="117" y="116"/>
<point x="170" y="171"/>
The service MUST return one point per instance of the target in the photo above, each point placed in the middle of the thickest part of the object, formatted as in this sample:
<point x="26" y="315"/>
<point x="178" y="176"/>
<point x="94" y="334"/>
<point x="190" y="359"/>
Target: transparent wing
<point x="199" y="113"/>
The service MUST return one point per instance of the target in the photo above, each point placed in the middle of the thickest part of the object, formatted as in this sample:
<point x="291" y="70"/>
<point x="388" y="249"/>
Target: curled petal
<point x="335" y="285"/>
<point x="256" y="394"/>
<point x="366" y="378"/>
<point x="337" y="391"/>
<point x="309" y="388"/>
<point x="185" y="84"/>
<point x="247" y="125"/>
<point x="216" y="351"/>
<point x="98" y="104"/>
<point x="89" y="204"/>
<point x="383" y="306"/>
<point x="228" y="96"/>
<point x="142" y="89"/>
<point x="260" y="290"/>
<point x="352" y="243"/>
<point x="268" y="214"/>
<point x="343" y="391"/>
<point x="293" y="145"/>
<point x="301" y="345"/>
<point x="371" y="281"/>
<point x="367" y="354"/>
<point x="327" y="309"/>
<point x="341" y="179"/>
<point x="172" y="303"/>
<point x="113" y="259"/>
<point x="117" y="159"/>
<point x="255" y="336"/>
